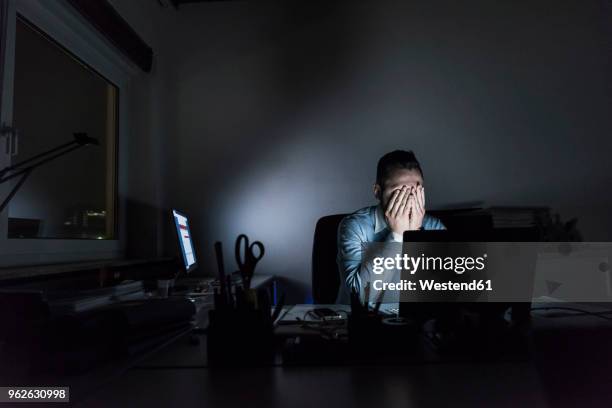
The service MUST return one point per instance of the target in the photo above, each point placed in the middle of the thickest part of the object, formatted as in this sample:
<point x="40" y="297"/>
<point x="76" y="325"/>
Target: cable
<point x="194" y="367"/>
<point x="169" y="367"/>
<point x="581" y="312"/>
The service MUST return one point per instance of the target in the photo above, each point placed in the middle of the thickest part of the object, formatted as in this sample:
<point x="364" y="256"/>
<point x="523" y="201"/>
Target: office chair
<point x="325" y="274"/>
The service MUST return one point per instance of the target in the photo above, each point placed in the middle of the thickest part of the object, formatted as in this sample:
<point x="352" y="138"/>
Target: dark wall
<point x="277" y="114"/>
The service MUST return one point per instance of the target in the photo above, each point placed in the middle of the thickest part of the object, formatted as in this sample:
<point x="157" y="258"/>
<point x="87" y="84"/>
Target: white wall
<point x="274" y="115"/>
<point x="146" y="215"/>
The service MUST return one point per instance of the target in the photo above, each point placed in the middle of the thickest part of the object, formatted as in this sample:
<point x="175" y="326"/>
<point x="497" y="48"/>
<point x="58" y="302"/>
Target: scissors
<point x="246" y="263"/>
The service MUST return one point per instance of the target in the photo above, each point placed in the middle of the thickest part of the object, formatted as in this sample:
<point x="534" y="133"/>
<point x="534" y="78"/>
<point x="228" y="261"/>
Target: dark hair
<point x="397" y="159"/>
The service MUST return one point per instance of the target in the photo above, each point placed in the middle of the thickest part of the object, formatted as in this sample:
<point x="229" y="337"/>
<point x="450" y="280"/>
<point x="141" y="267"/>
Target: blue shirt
<point x="355" y="230"/>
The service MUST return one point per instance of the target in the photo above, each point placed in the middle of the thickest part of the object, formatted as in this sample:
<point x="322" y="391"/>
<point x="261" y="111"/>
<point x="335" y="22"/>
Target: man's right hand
<point x="397" y="211"/>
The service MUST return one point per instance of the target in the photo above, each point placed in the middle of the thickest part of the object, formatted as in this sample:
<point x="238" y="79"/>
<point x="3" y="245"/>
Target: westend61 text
<point x="431" y="285"/>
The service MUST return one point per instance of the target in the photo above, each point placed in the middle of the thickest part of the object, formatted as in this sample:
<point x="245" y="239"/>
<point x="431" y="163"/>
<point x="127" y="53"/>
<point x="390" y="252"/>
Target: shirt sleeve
<point x="353" y="271"/>
<point x="395" y="237"/>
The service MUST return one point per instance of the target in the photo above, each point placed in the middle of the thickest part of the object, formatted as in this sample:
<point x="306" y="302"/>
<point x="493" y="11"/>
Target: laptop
<point x="505" y="282"/>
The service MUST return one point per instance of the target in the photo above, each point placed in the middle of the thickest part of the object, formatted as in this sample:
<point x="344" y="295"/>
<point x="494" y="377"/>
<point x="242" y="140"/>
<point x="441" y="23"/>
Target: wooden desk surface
<point x="564" y="371"/>
<point x="507" y="385"/>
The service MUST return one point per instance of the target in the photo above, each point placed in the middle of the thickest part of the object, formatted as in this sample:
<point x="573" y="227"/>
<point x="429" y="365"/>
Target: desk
<point x="499" y="385"/>
<point x="552" y="377"/>
<point x="173" y="343"/>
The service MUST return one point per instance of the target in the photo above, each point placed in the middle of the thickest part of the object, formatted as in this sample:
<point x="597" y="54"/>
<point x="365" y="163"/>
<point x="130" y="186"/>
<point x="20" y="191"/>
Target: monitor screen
<point x="184" y="239"/>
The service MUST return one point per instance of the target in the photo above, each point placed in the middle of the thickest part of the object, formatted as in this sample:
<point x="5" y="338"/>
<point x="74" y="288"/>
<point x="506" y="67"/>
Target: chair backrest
<point x="325" y="274"/>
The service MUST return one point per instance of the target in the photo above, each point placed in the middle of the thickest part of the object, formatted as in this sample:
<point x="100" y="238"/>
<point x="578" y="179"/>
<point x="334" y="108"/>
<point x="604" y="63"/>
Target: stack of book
<point x="519" y="217"/>
<point x="83" y="300"/>
<point x="129" y="290"/>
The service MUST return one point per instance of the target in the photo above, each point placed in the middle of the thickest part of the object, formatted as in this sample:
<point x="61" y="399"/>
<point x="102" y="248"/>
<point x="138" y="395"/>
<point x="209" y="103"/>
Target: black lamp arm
<point x="16" y="170"/>
<point x="14" y="190"/>
<point x="37" y="156"/>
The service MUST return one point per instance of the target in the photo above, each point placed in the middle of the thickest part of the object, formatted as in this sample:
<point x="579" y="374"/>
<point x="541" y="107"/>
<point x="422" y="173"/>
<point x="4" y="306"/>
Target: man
<point x="401" y="207"/>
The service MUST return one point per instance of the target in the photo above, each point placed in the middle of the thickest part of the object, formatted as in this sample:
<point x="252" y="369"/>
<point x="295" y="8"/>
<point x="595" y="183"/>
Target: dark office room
<point x="340" y="203"/>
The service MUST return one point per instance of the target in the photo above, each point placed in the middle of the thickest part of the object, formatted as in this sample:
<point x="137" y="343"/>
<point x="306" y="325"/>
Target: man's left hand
<point x="416" y="203"/>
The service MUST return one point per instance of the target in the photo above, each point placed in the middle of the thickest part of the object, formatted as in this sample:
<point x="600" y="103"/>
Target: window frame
<point x="59" y="21"/>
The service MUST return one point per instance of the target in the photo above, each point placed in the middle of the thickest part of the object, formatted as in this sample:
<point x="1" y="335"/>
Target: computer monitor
<point x="467" y="243"/>
<point x="185" y="241"/>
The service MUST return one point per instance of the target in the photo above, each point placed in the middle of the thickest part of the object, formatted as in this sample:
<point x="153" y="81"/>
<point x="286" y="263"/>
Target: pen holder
<point x="238" y="337"/>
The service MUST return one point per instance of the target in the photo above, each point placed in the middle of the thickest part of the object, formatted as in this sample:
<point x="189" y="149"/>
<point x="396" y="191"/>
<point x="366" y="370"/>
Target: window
<point x="55" y="201"/>
<point x="56" y="95"/>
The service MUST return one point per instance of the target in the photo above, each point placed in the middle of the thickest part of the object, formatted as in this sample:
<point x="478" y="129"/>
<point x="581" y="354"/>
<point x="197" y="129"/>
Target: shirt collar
<point x="379" y="222"/>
